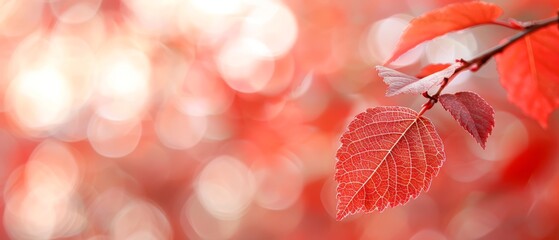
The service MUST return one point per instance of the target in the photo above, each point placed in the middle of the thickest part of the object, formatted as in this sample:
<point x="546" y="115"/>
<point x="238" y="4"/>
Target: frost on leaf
<point x="528" y="71"/>
<point x="388" y="156"/>
<point x="402" y="83"/>
<point x="472" y="112"/>
<point x="444" y="20"/>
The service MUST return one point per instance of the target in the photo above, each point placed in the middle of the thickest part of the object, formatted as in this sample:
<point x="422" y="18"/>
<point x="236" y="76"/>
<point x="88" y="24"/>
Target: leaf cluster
<point x="390" y="154"/>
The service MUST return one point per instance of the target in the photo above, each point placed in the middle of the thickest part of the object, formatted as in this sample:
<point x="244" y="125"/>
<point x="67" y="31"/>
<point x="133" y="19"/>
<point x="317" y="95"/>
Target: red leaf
<point x="402" y="83"/>
<point x="431" y="68"/>
<point x="472" y="112"/>
<point x="388" y="156"/>
<point x="444" y="20"/>
<point x="529" y="73"/>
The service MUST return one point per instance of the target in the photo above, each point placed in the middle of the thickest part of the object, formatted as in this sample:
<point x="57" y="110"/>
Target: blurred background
<point x="220" y="119"/>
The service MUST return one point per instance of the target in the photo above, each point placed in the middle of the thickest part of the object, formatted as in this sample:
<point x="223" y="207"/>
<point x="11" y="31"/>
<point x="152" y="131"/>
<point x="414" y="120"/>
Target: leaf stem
<point x="477" y="62"/>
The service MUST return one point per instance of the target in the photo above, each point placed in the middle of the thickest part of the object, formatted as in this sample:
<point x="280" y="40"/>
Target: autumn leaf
<point x="402" y="83"/>
<point x="388" y="156"/>
<point x="528" y="71"/>
<point x="472" y="112"/>
<point x="444" y="20"/>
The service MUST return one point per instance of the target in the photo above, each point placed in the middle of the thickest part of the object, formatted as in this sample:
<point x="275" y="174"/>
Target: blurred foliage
<point x="220" y="119"/>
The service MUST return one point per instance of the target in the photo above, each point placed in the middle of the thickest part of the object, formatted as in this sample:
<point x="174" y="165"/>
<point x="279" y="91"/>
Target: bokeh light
<point x="381" y="40"/>
<point x="225" y="188"/>
<point x="113" y="138"/>
<point x="245" y="65"/>
<point x="123" y="84"/>
<point x="220" y="119"/>
<point x="46" y="204"/>
<point x="40" y="99"/>
<point x="72" y="12"/>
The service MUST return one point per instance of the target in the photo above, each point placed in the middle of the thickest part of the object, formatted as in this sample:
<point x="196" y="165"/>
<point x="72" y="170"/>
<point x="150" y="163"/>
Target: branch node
<point x="429" y="104"/>
<point x="515" y="24"/>
<point x="433" y="98"/>
<point x="475" y="67"/>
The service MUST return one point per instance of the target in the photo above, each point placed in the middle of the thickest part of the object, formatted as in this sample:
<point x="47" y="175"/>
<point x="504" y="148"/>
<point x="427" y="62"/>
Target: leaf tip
<point x="380" y="69"/>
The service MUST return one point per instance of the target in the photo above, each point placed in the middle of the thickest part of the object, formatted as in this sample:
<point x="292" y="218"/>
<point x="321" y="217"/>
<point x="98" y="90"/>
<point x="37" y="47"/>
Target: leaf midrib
<point x="383" y="159"/>
<point x="532" y="61"/>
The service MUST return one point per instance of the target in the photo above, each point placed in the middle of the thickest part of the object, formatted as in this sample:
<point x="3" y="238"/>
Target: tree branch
<point x="480" y="60"/>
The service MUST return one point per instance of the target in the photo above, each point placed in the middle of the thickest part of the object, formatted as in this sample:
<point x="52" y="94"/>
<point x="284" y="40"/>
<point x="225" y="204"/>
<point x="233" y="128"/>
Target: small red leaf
<point x="402" y="83"/>
<point x="472" y="112"/>
<point x="529" y="73"/>
<point x="432" y="68"/>
<point x="388" y="156"/>
<point x="444" y="20"/>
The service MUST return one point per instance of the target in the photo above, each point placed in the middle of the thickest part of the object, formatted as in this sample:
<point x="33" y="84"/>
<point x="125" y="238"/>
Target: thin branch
<point x="480" y="60"/>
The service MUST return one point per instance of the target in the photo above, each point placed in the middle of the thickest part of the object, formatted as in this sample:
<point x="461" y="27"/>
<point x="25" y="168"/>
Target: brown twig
<point x="480" y="60"/>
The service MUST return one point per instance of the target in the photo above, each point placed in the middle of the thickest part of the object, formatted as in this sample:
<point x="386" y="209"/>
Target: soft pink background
<point x="220" y="119"/>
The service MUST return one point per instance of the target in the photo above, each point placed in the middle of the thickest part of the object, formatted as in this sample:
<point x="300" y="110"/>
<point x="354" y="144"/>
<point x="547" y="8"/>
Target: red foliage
<point x="472" y="112"/>
<point x="439" y="22"/>
<point x="528" y="71"/>
<point x="195" y="120"/>
<point x="388" y="156"/>
<point x="384" y="143"/>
